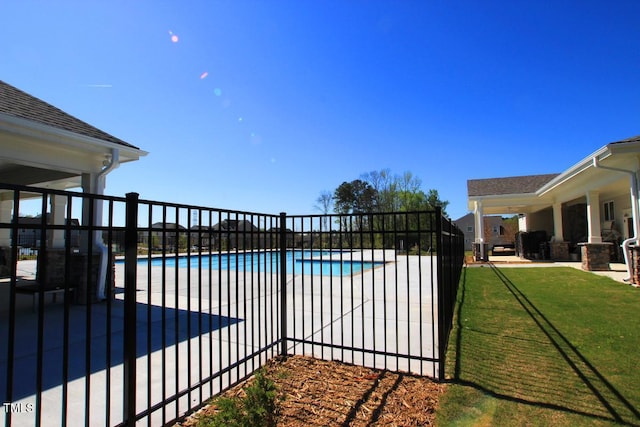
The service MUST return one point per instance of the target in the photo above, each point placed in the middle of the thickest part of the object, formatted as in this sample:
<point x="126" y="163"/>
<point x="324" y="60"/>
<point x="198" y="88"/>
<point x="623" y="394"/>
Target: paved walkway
<point x="617" y="271"/>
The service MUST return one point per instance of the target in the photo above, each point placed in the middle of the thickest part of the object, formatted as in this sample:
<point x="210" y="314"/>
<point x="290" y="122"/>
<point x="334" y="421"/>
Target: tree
<point x="323" y="204"/>
<point x="511" y="227"/>
<point x="380" y="191"/>
<point x="434" y="201"/>
<point x="355" y="197"/>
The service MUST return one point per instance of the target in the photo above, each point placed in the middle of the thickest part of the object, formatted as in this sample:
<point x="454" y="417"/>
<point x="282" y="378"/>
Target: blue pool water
<point x="298" y="262"/>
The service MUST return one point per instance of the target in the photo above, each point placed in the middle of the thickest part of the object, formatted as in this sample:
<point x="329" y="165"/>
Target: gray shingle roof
<point x="509" y="185"/>
<point x="632" y="139"/>
<point x="20" y="104"/>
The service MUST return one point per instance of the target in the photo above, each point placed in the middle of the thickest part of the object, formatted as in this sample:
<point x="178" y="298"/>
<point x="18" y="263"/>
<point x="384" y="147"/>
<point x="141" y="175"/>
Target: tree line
<point x="380" y="191"/>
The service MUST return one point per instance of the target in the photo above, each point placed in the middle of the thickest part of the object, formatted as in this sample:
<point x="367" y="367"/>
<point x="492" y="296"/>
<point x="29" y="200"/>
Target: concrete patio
<point x="210" y="323"/>
<point x="617" y="271"/>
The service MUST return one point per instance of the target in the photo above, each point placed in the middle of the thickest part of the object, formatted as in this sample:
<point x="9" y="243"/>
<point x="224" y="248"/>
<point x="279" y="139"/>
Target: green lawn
<point x="543" y="347"/>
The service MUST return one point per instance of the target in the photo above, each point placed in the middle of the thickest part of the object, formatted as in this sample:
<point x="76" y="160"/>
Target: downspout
<point x="634" y="209"/>
<point x="101" y="179"/>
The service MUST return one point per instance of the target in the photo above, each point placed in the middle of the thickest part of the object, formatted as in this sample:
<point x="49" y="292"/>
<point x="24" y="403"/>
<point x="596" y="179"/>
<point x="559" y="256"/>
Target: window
<point x="469" y="228"/>
<point x="608" y="211"/>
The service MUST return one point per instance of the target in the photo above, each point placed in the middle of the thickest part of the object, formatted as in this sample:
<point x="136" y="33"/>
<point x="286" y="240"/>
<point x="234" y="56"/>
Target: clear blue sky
<point x="299" y="96"/>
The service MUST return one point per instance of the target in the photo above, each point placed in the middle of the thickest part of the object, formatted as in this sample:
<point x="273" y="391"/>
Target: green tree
<point x="433" y="198"/>
<point x="402" y="193"/>
<point x="355" y="197"/>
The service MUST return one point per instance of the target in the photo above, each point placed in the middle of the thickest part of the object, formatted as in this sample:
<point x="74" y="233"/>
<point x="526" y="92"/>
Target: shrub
<point x="256" y="409"/>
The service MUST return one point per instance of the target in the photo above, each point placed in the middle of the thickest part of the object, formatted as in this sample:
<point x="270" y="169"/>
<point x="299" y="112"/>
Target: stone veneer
<point x="477" y="252"/>
<point x="55" y="274"/>
<point x="635" y="265"/>
<point x="595" y="256"/>
<point x="5" y="261"/>
<point x="559" y="251"/>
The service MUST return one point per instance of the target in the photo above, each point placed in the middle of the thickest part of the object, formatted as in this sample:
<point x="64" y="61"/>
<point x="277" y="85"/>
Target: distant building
<point x="495" y="232"/>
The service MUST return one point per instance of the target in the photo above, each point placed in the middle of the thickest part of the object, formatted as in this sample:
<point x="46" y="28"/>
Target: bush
<point x="256" y="409"/>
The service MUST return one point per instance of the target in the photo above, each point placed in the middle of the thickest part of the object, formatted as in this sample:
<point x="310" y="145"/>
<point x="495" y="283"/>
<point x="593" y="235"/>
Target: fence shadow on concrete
<point x="94" y="350"/>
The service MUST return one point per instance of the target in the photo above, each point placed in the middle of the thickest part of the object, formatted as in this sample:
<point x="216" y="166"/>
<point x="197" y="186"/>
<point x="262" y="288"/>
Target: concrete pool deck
<point x="364" y="310"/>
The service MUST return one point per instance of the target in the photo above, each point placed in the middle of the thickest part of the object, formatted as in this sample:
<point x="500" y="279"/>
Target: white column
<point x="593" y="217"/>
<point x="523" y="223"/>
<point x="557" y="222"/>
<point x="635" y="202"/>
<point x="93" y="184"/>
<point x="479" y="218"/>
<point x="5" y="216"/>
<point x="58" y="210"/>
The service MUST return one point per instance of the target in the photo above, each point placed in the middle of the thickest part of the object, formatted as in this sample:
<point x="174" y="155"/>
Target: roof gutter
<point x="633" y="178"/>
<point x="574" y="170"/>
<point x="100" y="184"/>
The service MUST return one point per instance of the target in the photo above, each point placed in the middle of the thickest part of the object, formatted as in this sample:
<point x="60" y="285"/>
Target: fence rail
<point x="143" y="310"/>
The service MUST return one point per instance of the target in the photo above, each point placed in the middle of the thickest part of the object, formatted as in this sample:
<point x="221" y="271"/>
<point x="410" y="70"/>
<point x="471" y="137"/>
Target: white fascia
<point x="67" y="138"/>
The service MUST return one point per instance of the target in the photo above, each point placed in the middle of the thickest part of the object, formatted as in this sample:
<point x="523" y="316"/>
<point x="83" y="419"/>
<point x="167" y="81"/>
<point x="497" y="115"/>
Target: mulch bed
<point x="320" y="393"/>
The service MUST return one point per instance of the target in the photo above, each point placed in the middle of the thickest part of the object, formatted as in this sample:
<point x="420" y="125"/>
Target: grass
<point x="543" y="347"/>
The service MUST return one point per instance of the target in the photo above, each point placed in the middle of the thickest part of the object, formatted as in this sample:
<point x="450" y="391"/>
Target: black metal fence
<point x="145" y="314"/>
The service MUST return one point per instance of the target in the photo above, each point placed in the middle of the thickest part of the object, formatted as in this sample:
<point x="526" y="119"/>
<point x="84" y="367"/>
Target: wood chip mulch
<point x="320" y="393"/>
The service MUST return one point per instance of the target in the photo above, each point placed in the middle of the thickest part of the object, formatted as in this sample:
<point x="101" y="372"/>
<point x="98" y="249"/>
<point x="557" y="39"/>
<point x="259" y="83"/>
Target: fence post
<point x="442" y="302"/>
<point x="283" y="283"/>
<point x="130" y="321"/>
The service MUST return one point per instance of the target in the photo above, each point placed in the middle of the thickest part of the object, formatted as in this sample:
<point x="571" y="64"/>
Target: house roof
<point x="17" y="103"/>
<point x="599" y="172"/>
<point x="632" y="139"/>
<point x="509" y="185"/>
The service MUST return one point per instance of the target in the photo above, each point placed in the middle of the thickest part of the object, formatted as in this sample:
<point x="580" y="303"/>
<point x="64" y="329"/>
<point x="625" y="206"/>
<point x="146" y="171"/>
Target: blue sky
<point x="262" y="105"/>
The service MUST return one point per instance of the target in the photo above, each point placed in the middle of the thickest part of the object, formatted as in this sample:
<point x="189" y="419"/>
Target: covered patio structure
<point x="42" y="146"/>
<point x="589" y="211"/>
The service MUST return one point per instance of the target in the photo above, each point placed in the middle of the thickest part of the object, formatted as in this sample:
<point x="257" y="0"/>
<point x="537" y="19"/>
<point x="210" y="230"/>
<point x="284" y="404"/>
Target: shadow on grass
<point x="528" y="360"/>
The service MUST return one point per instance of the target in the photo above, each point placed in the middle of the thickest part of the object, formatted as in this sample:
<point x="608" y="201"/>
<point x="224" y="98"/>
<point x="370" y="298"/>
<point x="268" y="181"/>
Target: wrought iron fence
<point x="160" y="306"/>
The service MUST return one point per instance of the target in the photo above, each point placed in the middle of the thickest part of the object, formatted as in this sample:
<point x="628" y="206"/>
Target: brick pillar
<point x="635" y="265"/>
<point x="559" y="250"/>
<point x="595" y="256"/>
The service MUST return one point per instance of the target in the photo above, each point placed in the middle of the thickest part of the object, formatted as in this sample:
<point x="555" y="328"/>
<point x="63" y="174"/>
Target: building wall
<point x="467" y="225"/>
<point x="493" y="227"/>
<point x="621" y="203"/>
<point x="541" y="220"/>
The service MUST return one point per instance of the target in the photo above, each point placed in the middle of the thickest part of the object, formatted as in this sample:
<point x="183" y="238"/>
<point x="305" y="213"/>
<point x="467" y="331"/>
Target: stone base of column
<point x="635" y="265"/>
<point x="5" y="261"/>
<point x="84" y="285"/>
<point x="559" y="251"/>
<point x="481" y="252"/>
<point x="595" y="256"/>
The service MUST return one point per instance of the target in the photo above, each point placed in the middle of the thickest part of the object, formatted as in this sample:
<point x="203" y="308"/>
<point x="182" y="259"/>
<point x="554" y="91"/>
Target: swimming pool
<point x="314" y="262"/>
